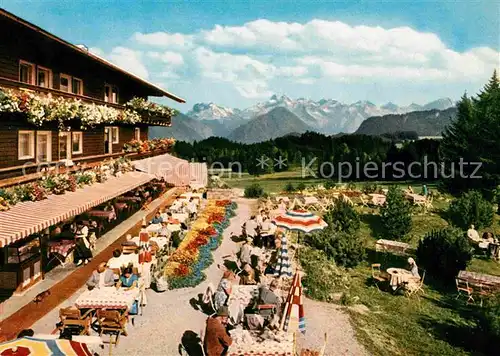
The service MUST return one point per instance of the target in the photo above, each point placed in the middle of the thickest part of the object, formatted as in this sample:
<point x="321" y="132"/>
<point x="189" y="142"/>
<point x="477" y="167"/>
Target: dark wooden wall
<point x="21" y="43"/>
<point x="93" y="139"/>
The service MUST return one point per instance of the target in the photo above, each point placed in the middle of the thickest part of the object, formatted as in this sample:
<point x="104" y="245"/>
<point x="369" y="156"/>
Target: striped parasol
<point x="283" y="267"/>
<point x="300" y="220"/>
<point x="40" y="347"/>
<point x="293" y="316"/>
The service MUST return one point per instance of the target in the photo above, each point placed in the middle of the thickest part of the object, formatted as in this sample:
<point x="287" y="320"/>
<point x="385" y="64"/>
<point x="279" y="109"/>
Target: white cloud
<point x="172" y="58"/>
<point x="130" y="60"/>
<point x="263" y="56"/>
<point x="164" y="39"/>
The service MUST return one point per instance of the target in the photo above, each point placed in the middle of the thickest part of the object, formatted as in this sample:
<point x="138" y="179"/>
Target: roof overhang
<point x="157" y="89"/>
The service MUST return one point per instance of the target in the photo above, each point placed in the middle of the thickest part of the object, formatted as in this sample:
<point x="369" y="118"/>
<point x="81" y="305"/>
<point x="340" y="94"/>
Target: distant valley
<point x="279" y="116"/>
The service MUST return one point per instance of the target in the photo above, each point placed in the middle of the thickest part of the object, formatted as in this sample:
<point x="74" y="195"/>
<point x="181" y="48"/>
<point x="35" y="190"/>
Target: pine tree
<point x="396" y="214"/>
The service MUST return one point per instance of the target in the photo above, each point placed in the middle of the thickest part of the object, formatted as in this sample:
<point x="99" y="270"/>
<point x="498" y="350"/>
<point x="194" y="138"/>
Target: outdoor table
<point x="417" y="198"/>
<point x="310" y="200"/>
<point x="285" y="199"/>
<point x="110" y="215"/>
<point x="107" y="298"/>
<point x="378" y="199"/>
<point x="393" y="246"/>
<point x="478" y="279"/>
<point x="399" y="276"/>
<point x="188" y="196"/>
<point x="182" y="217"/>
<point x="240" y="298"/>
<point x="153" y="228"/>
<point x="61" y="250"/>
<point x="174" y="227"/>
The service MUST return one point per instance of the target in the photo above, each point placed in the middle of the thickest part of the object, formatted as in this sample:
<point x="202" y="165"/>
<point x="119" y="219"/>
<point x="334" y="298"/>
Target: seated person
<point x="251" y="227"/>
<point x="473" y="234"/>
<point x="164" y="231"/>
<point x="217" y="340"/>
<point x="101" y="277"/>
<point x="413" y="268"/>
<point x="116" y="262"/>
<point x="128" y="280"/>
<point x="157" y="218"/>
<point x="246" y="252"/>
<point x="224" y="289"/>
<point x="248" y="276"/>
<point x="192" y="208"/>
<point x="267" y="296"/>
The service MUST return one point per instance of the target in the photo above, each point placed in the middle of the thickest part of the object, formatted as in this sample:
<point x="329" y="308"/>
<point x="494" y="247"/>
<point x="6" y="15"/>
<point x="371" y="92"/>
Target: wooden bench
<point x="396" y="247"/>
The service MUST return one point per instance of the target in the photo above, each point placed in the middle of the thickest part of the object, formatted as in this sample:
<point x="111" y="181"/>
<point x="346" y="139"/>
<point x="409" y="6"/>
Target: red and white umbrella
<point x="300" y="220"/>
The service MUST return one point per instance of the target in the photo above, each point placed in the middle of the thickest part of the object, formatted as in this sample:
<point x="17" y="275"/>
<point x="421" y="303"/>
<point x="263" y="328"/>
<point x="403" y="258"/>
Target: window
<point x="110" y="94"/>
<point x="26" y="72"/>
<point x="77" y="86"/>
<point x="77" y="142"/>
<point x="26" y="144"/>
<point x="114" y="135"/>
<point x="43" y="146"/>
<point x="137" y="133"/>
<point x="64" y="83"/>
<point x="44" y="77"/>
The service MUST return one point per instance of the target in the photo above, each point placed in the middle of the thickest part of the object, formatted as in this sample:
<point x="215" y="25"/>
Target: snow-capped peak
<point x="210" y="111"/>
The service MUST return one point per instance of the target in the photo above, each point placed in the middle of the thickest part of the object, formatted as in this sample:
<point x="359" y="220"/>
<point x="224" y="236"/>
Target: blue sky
<point x="237" y="53"/>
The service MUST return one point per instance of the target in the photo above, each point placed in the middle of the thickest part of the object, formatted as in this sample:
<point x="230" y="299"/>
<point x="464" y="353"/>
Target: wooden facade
<point x="33" y="59"/>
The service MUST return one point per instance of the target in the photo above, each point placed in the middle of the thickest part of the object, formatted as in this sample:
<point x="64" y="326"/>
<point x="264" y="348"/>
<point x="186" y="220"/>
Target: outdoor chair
<point x="378" y="276"/>
<point x="428" y="203"/>
<point x="112" y="322"/>
<point x="208" y="298"/>
<point x="464" y="289"/>
<point x="364" y="202"/>
<point x="485" y="291"/>
<point x="414" y="289"/>
<point x="72" y="318"/>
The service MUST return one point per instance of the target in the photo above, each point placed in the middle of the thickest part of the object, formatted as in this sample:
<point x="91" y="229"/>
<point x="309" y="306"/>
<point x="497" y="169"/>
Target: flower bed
<point x="148" y="145"/>
<point x="41" y="109"/>
<point x="61" y="183"/>
<point x="185" y="267"/>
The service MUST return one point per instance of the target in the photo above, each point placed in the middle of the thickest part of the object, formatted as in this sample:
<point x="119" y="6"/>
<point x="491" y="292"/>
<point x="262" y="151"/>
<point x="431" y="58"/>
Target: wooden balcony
<point x="17" y="85"/>
<point x="14" y="84"/>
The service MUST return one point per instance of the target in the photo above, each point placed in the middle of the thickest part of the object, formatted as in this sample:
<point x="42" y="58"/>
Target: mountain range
<point x="327" y="116"/>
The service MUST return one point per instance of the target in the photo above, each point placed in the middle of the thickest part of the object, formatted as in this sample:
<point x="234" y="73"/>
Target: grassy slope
<point x="435" y="324"/>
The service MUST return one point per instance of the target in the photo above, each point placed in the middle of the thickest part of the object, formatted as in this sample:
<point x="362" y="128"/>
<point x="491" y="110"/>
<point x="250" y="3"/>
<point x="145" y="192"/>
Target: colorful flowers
<point x="61" y="183"/>
<point x="194" y="251"/>
<point x="40" y="109"/>
<point x="149" y="145"/>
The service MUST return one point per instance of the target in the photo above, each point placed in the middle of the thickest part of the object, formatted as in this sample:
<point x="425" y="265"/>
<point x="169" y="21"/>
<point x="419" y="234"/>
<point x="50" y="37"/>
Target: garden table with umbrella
<point x="298" y="220"/>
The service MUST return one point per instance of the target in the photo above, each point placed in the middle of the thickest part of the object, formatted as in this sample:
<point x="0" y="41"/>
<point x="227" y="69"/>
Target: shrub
<point x="369" y="188"/>
<point x="396" y="214"/>
<point x="329" y="184"/>
<point x="444" y="253"/>
<point x="289" y="187"/>
<point x="301" y="187"/>
<point x="343" y="217"/>
<point x="351" y="186"/>
<point x="322" y="276"/>
<point x="490" y="317"/>
<point x="345" y="249"/>
<point x="254" y="191"/>
<point x="470" y="209"/>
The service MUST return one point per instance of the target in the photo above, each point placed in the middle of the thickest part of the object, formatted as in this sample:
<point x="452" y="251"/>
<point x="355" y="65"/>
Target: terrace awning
<point x="174" y="170"/>
<point x="26" y="218"/>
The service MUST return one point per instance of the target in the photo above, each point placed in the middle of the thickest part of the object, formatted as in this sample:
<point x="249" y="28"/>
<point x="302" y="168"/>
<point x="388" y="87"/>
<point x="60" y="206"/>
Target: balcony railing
<point x="14" y="84"/>
<point x="90" y="111"/>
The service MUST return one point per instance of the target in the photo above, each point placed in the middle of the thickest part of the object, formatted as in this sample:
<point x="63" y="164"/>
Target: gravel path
<point x="169" y="316"/>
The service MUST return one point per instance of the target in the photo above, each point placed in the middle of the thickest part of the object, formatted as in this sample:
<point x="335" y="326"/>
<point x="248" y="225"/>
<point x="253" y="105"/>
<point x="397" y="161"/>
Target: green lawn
<point x="434" y="324"/>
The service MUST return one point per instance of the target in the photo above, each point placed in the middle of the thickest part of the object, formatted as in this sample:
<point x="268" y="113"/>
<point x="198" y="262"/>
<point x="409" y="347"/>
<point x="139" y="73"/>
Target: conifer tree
<point x="396" y="215"/>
